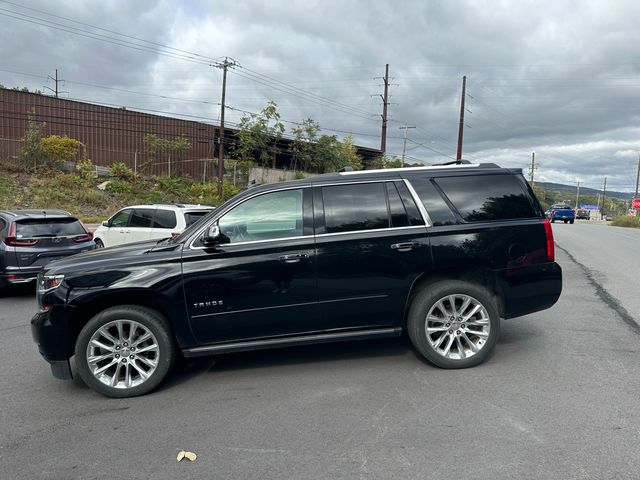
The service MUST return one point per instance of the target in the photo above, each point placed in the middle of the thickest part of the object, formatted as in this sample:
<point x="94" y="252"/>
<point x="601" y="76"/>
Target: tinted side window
<point x="192" y="217"/>
<point x="141" y="217"/>
<point x="3" y="224"/>
<point x="396" y="208"/>
<point x="354" y="207"/>
<point x="164" y="219"/>
<point x="409" y="204"/>
<point x="438" y="210"/>
<point x="487" y="197"/>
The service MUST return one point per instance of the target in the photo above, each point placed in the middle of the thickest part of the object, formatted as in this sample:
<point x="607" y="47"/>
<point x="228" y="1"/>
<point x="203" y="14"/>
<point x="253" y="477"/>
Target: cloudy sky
<point x="558" y="78"/>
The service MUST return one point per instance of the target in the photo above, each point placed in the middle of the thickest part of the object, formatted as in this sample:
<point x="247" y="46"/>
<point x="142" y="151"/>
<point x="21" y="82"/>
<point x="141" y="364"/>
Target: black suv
<point x="30" y="239"/>
<point x="441" y="252"/>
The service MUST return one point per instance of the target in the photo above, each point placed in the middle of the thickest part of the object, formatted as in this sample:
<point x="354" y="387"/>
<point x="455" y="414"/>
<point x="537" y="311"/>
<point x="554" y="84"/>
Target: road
<point x="609" y="257"/>
<point x="558" y="399"/>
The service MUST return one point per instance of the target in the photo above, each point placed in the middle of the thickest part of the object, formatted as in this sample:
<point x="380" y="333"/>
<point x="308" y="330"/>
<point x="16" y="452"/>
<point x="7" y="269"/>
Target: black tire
<point x="99" y="243"/>
<point x="553" y="220"/>
<point x="571" y="222"/>
<point x="565" y="221"/>
<point x="155" y="359"/>
<point x="432" y="298"/>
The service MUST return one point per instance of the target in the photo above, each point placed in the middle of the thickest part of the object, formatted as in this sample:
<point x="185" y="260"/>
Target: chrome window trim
<point x="256" y="241"/>
<point x="419" y="204"/>
<point x="373" y="230"/>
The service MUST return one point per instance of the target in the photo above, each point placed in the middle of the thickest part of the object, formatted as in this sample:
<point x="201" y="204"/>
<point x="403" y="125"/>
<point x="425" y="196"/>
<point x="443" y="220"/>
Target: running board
<point x="291" y="341"/>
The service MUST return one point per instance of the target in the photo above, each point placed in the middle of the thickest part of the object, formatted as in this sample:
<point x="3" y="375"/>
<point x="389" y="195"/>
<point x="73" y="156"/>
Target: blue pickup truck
<point x="561" y="212"/>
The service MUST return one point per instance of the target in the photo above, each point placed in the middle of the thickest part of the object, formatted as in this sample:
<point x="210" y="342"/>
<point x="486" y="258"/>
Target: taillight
<point x="548" y="233"/>
<point x="84" y="238"/>
<point x="12" y="241"/>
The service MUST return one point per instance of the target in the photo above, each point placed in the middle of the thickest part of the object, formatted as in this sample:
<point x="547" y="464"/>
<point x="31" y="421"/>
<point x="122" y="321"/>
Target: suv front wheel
<point x="125" y="351"/>
<point x="453" y="324"/>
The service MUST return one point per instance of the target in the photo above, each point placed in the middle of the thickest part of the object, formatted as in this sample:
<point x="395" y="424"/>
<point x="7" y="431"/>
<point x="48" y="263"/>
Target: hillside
<point x="570" y="190"/>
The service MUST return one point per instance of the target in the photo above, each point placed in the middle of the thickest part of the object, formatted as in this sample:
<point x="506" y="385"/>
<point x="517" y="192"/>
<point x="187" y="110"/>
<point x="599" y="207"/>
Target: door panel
<point x="260" y="281"/>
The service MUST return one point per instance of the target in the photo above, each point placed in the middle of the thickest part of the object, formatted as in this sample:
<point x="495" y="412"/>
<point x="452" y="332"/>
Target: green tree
<point x="258" y="135"/>
<point x="304" y="143"/>
<point x="349" y="155"/>
<point x="30" y="155"/>
<point x="161" y="150"/>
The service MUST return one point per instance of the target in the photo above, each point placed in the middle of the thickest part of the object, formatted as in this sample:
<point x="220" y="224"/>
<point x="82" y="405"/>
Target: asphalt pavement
<point x="557" y="400"/>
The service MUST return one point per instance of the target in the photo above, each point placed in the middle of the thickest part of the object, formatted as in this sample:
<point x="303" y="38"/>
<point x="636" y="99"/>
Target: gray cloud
<point x="558" y="78"/>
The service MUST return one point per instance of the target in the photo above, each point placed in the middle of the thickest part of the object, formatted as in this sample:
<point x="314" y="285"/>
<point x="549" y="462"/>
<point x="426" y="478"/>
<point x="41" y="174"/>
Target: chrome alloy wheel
<point x="457" y="326"/>
<point x="123" y="354"/>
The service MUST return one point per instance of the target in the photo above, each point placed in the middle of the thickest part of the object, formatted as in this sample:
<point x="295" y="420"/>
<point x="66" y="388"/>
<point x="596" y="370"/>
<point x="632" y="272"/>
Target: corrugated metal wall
<point x="117" y="135"/>
<point x="110" y="134"/>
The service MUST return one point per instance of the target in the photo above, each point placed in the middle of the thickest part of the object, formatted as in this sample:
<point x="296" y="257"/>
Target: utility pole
<point x="55" y="79"/>
<point x="533" y="166"/>
<point x="224" y="66"/>
<point x="578" y="195"/>
<point x="604" y="196"/>
<point x="461" y="126"/>
<point x="637" y="179"/>
<point x="404" y="145"/>
<point x="385" y="103"/>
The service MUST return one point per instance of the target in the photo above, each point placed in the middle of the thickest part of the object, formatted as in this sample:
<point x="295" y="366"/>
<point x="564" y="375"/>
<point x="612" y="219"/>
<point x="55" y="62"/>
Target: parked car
<point x="30" y="239"/>
<point x="147" y="222"/>
<point x="562" y="212"/>
<point x="440" y="252"/>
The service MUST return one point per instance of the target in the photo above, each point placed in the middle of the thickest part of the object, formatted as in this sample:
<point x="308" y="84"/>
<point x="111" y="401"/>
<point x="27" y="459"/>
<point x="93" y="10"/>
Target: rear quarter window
<point x="481" y="198"/>
<point x="164" y="219"/>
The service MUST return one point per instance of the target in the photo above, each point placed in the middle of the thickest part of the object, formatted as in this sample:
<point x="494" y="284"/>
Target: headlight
<point x="46" y="283"/>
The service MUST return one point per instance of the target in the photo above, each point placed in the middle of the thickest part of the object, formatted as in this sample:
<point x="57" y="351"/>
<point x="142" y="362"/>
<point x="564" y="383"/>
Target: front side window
<point x="349" y="208"/>
<point x="266" y="217"/>
<point x="120" y="219"/>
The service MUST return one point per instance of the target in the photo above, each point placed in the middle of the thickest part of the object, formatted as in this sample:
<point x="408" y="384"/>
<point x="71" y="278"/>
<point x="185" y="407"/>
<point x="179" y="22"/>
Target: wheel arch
<point x="84" y="309"/>
<point x="477" y="275"/>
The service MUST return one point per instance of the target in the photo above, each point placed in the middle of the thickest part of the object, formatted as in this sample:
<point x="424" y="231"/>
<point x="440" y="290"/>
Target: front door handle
<point x="406" y="246"/>
<point x="293" y="258"/>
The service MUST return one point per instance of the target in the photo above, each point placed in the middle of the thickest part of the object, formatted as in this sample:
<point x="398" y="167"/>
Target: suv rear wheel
<point x="454" y="324"/>
<point x="125" y="351"/>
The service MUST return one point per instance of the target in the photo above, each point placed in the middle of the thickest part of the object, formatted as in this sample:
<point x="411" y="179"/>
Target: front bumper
<point x="51" y="332"/>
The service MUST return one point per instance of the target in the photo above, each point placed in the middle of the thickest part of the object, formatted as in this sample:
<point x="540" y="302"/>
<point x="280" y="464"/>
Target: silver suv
<point x="140" y="223"/>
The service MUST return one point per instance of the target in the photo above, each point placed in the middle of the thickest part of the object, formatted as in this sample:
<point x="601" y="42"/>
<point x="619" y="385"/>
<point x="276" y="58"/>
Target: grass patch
<point x="7" y="191"/>
<point x="624" y="221"/>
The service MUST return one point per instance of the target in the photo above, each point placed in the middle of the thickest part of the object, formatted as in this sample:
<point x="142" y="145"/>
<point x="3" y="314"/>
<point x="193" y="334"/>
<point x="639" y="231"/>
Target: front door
<point x="261" y="282"/>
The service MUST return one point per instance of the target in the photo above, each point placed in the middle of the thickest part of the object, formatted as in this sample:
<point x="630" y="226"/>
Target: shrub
<point x="122" y="171"/>
<point x="118" y="186"/>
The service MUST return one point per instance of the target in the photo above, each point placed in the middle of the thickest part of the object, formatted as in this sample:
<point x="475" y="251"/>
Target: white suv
<point x="147" y="222"/>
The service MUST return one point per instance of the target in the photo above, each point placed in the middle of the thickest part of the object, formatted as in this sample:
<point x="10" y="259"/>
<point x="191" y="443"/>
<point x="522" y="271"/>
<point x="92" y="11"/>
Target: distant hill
<point x="571" y="190"/>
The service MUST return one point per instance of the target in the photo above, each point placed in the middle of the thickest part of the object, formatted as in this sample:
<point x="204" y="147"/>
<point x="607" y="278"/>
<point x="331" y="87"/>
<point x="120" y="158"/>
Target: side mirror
<point x="105" y="223"/>
<point x="212" y="236"/>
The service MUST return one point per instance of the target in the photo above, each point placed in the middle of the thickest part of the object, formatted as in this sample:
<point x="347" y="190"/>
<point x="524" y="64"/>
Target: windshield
<point x="49" y="227"/>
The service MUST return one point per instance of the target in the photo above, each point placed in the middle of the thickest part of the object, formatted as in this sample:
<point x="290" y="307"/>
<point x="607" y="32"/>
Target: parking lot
<point x="558" y="399"/>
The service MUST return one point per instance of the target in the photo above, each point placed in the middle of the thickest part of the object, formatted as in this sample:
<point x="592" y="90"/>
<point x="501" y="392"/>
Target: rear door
<point x="139" y="229"/>
<point x="370" y="249"/>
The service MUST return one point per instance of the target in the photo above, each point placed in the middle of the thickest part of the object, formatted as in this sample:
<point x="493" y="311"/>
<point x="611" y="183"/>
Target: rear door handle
<point x="405" y="247"/>
<point x="293" y="258"/>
